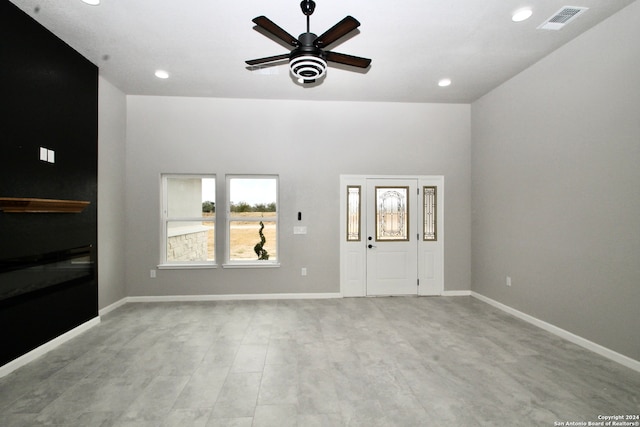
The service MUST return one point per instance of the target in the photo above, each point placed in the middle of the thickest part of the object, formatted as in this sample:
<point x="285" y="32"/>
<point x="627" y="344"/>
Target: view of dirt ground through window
<point x="245" y="235"/>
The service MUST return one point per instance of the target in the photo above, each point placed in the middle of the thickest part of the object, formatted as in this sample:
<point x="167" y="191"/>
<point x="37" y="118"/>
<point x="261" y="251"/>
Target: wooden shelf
<point x="30" y="205"/>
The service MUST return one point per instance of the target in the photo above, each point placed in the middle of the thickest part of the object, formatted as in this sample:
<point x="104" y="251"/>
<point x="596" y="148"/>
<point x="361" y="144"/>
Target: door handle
<point x="370" y="246"/>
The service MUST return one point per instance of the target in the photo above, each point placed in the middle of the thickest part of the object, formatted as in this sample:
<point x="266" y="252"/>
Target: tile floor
<point x="444" y="361"/>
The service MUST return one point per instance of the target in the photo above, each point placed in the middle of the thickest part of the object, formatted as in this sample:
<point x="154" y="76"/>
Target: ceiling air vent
<point x="562" y="17"/>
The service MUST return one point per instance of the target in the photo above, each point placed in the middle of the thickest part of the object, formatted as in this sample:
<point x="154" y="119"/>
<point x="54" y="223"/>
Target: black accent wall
<point x="48" y="98"/>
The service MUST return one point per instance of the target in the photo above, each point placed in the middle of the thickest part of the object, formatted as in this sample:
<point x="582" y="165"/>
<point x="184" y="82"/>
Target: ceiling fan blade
<point x="342" y="28"/>
<point x="268" y="25"/>
<point x="267" y="59"/>
<point x="342" y="58"/>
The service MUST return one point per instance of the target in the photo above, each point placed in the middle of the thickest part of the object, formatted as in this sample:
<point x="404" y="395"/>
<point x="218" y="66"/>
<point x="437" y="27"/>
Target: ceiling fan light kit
<point x="308" y="68"/>
<point x="307" y="59"/>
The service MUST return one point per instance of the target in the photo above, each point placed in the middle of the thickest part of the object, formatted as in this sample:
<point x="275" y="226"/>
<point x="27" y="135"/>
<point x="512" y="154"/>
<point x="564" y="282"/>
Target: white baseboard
<point x="456" y="293"/>
<point x="231" y="297"/>
<point x="112" y="307"/>
<point x="576" y="339"/>
<point x="47" y="347"/>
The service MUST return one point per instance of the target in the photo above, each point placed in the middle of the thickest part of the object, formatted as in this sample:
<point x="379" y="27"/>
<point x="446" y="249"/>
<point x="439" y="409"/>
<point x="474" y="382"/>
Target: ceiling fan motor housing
<point x="307" y="62"/>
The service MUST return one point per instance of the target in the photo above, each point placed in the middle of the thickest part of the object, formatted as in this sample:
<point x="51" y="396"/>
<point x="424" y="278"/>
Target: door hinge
<point x="418" y="282"/>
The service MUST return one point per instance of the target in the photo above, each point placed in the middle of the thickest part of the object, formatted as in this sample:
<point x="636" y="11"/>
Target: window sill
<point x="252" y="265"/>
<point x="186" y="266"/>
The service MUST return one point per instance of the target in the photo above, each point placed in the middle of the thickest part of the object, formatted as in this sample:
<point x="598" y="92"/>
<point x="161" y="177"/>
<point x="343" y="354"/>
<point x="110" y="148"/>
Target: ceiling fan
<point x="308" y="58"/>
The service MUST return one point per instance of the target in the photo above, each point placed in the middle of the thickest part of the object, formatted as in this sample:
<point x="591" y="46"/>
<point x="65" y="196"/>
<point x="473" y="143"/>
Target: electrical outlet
<point x="508" y="280"/>
<point x="303" y="271"/>
<point x="152" y="274"/>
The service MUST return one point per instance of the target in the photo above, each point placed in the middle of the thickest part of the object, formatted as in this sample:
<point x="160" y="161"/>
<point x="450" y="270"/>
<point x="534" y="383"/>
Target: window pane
<point x="429" y="214"/>
<point x="189" y="197"/>
<point x="252" y="240"/>
<point x="392" y="218"/>
<point x="253" y="195"/>
<point x="189" y="218"/>
<point x="353" y="213"/>
<point x="190" y="241"/>
<point x="253" y="218"/>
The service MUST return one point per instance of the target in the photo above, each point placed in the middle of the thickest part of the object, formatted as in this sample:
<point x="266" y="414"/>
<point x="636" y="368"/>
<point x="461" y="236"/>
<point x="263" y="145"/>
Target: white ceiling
<point x="413" y="43"/>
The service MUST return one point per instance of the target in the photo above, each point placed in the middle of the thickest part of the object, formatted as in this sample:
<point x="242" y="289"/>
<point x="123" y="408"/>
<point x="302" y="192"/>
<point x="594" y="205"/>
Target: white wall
<point x="556" y="194"/>
<point x="111" y="188"/>
<point x="308" y="144"/>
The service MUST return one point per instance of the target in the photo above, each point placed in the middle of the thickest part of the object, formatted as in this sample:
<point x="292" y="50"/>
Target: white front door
<point x="392" y="237"/>
<point x="404" y="218"/>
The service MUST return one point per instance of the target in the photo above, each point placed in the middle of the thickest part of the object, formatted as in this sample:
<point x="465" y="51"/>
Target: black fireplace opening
<point x="28" y="274"/>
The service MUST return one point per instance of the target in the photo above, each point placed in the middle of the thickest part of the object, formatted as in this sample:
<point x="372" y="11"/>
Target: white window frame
<point x="228" y="263"/>
<point x="165" y="219"/>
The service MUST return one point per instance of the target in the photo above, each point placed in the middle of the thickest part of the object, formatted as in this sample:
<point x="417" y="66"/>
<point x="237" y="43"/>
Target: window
<point x="188" y="220"/>
<point x="430" y="207"/>
<point x="252" y="220"/>
<point x="353" y="213"/>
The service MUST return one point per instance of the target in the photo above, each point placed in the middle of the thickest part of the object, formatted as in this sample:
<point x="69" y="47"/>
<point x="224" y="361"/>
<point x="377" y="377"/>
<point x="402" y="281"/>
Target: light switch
<point x="47" y="155"/>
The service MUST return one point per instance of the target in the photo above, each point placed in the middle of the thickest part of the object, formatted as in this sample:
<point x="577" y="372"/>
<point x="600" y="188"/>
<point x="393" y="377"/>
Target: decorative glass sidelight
<point x="353" y="213"/>
<point x="392" y="213"/>
<point x="430" y="204"/>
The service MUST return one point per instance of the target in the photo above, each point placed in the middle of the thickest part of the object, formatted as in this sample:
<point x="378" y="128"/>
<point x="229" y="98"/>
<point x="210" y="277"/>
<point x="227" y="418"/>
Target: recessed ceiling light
<point x="92" y="2"/>
<point x="521" y="15"/>
<point x="444" y="82"/>
<point x="162" y="74"/>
